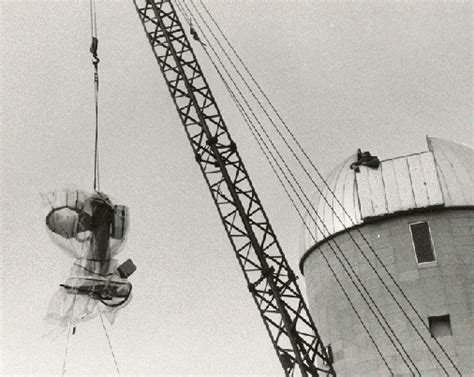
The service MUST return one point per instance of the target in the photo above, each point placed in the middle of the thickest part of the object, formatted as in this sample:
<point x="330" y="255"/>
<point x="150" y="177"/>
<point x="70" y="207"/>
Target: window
<point x="421" y="236"/>
<point x="440" y="326"/>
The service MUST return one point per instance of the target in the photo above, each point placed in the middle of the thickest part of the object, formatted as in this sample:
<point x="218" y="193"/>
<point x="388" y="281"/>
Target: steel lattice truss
<point x="270" y="279"/>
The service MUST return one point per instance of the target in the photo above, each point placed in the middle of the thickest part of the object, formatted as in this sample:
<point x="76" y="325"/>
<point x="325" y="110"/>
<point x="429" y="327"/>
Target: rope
<point x="322" y="178"/>
<point x="260" y="141"/>
<point x="326" y="184"/>
<point x="108" y="341"/>
<point x="247" y="120"/>
<point x="95" y="63"/>
<point x="68" y="336"/>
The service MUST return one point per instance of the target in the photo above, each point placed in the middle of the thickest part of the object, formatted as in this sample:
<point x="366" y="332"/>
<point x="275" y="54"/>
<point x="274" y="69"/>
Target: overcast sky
<point x="371" y="74"/>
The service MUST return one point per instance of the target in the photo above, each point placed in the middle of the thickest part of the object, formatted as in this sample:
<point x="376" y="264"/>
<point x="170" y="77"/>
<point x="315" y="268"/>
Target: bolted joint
<point x="291" y="276"/>
<point x="287" y="361"/>
<point x="267" y="272"/>
<point x="252" y="288"/>
<point x="330" y="354"/>
<point x="212" y="140"/>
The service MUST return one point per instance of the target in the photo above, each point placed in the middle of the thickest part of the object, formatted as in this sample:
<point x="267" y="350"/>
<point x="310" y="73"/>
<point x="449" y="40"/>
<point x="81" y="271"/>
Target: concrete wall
<point x="437" y="288"/>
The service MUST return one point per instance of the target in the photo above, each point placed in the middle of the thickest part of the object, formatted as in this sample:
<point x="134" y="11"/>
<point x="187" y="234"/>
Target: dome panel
<point x="333" y="212"/>
<point x="455" y="167"/>
<point x="441" y="176"/>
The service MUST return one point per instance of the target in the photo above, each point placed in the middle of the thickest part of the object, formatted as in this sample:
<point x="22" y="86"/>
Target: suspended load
<point x="90" y="228"/>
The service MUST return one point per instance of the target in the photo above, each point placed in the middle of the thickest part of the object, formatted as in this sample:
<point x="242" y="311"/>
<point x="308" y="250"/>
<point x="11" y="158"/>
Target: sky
<point x="345" y="75"/>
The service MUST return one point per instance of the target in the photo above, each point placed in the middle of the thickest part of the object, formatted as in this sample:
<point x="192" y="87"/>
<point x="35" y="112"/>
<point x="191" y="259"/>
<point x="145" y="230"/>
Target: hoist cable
<point x="108" y="341"/>
<point x="333" y="194"/>
<point x="319" y="174"/>
<point x="260" y="141"/>
<point x="68" y="335"/>
<point x="246" y="116"/>
<point x="393" y="297"/>
<point x="292" y="175"/>
<point x="269" y="160"/>
<point x="95" y="63"/>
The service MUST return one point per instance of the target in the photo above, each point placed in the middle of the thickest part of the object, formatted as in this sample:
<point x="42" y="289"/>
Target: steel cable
<point x="318" y="172"/>
<point x="332" y="193"/>
<point x="95" y="63"/>
<point x="269" y="160"/>
<point x="281" y="158"/>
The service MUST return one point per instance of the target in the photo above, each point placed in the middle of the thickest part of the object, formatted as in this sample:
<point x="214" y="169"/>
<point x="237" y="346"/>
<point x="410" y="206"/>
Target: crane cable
<point x="339" y="260"/>
<point x="95" y="63"/>
<point x="246" y="118"/>
<point x="261" y="144"/>
<point x="329" y="188"/>
<point x="373" y="268"/>
<point x="317" y="187"/>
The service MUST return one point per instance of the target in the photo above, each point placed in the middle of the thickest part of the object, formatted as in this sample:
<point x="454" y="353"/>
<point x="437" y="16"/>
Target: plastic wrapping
<point x="69" y="226"/>
<point x="90" y="228"/>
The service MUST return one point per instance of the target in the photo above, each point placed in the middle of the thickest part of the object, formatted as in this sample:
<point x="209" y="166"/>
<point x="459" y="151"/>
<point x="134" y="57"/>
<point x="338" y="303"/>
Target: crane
<point x="270" y="279"/>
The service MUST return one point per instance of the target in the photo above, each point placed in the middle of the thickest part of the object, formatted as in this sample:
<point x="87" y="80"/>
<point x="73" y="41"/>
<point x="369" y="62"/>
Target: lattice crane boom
<point x="270" y="279"/>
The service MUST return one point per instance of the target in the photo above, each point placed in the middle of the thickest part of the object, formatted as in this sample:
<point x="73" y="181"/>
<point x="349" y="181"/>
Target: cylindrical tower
<point x="417" y="213"/>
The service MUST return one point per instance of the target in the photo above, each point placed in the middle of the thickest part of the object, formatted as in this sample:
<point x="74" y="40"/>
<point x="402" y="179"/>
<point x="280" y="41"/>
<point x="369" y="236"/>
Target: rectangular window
<point x="421" y="236"/>
<point x="440" y="326"/>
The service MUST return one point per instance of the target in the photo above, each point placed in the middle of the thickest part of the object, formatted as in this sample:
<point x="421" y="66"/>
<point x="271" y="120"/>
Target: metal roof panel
<point x="444" y="175"/>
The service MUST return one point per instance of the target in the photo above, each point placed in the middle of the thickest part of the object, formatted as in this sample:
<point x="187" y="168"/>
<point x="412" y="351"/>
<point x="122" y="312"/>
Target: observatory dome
<point x="443" y="176"/>
<point x="404" y="222"/>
